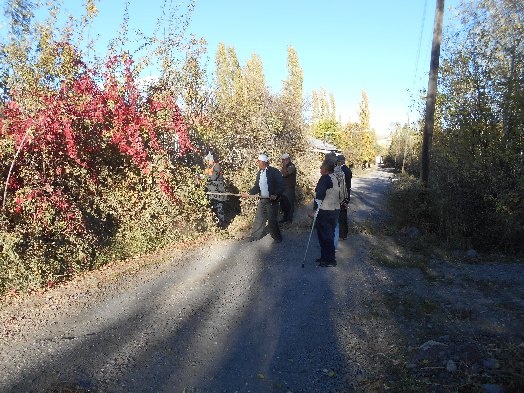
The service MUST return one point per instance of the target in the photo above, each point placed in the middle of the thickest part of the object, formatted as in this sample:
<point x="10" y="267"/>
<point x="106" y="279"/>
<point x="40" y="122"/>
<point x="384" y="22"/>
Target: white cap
<point x="263" y="157"/>
<point x="209" y="157"/>
<point x="284" y="156"/>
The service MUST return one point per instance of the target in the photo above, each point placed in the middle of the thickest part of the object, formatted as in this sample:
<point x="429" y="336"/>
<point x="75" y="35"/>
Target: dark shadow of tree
<point x="208" y="324"/>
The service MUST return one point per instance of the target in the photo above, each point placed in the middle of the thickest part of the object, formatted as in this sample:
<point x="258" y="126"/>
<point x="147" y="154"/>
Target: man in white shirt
<point x="269" y="185"/>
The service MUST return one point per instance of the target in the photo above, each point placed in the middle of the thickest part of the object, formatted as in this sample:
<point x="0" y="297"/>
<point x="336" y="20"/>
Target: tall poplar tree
<point x="363" y="113"/>
<point x="324" y="107"/>
<point x="194" y="82"/>
<point x="292" y="94"/>
<point x="227" y="70"/>
<point x="253" y="94"/>
<point x="367" y="135"/>
<point x="324" y="124"/>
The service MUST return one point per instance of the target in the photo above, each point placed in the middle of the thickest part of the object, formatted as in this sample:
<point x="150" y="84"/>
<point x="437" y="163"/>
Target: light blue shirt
<point x="262" y="183"/>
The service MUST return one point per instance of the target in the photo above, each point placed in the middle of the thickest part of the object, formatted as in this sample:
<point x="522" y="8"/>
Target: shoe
<point x="322" y="263"/>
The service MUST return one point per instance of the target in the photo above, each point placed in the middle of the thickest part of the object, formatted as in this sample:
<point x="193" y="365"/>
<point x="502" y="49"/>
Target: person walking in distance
<point x="287" y="201"/>
<point x="269" y="185"/>
<point x="343" y="217"/>
<point x="327" y="202"/>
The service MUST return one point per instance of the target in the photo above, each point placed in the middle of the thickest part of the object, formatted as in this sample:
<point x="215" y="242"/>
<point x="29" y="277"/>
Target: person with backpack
<point x="340" y="178"/>
<point x="287" y="201"/>
<point x="346" y="192"/>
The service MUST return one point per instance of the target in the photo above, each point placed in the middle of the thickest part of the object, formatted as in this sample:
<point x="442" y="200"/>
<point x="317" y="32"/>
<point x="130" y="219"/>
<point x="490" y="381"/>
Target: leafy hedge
<point x="88" y="176"/>
<point x="476" y="187"/>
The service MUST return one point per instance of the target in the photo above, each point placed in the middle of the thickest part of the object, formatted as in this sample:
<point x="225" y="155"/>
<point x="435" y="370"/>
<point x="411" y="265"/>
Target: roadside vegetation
<point x="98" y="163"/>
<point x="475" y="197"/>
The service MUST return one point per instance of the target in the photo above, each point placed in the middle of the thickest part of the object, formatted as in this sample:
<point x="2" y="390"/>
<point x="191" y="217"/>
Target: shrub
<point x="85" y="172"/>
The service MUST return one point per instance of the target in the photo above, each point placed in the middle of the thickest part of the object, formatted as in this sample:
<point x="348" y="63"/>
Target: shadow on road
<point x="233" y="316"/>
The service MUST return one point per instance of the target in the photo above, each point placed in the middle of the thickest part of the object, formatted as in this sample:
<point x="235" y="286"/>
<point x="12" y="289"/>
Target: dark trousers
<point x="267" y="212"/>
<point x="343" y="223"/>
<point x="325" y="224"/>
<point x="287" y="204"/>
<point x="218" y="208"/>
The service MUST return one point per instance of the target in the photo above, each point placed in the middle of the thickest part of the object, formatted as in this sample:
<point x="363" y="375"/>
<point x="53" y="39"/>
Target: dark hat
<point x="340" y="157"/>
<point x="331" y="157"/>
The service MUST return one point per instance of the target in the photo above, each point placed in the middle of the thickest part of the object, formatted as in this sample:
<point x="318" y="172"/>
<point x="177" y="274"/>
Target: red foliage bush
<point x="75" y="148"/>
<point x="81" y="125"/>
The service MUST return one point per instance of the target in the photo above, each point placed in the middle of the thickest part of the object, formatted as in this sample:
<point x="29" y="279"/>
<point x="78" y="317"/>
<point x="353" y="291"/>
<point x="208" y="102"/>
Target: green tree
<point x="477" y="159"/>
<point x="19" y="14"/>
<point x="324" y="125"/>
<point x="363" y="113"/>
<point x="227" y="71"/>
<point x="402" y="152"/>
<point x="195" y="90"/>
<point x="84" y="176"/>
<point x="324" y="107"/>
<point x="368" y="138"/>
<point x="292" y="94"/>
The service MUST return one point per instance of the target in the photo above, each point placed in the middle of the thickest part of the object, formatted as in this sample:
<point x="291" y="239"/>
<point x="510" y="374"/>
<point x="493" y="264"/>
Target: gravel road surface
<point x="225" y="316"/>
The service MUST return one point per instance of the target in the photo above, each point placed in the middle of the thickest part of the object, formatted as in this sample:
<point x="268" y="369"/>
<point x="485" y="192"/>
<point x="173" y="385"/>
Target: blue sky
<point x="344" y="46"/>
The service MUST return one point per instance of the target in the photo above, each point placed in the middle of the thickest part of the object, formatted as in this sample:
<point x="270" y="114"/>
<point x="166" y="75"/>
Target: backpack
<point x="344" y="197"/>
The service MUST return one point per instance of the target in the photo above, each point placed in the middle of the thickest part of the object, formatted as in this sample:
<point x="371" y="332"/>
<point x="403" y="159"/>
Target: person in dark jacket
<point x="215" y="183"/>
<point x="326" y="206"/>
<point x="343" y="217"/>
<point x="287" y="201"/>
<point x="269" y="185"/>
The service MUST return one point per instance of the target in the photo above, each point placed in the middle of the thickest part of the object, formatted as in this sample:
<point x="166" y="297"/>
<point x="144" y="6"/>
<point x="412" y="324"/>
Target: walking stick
<point x="232" y="194"/>
<point x="224" y="193"/>
<point x="310" y="233"/>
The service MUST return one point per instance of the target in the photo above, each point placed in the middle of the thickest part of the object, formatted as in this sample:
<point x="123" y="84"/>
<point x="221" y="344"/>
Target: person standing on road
<point x="269" y="185"/>
<point x="343" y="217"/>
<point x="332" y="157"/>
<point x="327" y="206"/>
<point x="341" y="229"/>
<point x="287" y="201"/>
<point x="215" y="183"/>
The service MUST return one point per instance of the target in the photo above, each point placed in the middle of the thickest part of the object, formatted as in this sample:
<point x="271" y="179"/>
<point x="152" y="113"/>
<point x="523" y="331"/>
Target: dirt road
<point x="245" y="317"/>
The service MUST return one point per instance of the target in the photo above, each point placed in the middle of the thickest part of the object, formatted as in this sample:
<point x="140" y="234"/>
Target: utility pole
<point x="429" y="120"/>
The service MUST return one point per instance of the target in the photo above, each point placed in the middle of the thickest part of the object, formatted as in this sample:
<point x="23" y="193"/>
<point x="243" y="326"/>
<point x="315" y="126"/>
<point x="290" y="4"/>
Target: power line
<point x="420" y="41"/>
<point x="418" y="49"/>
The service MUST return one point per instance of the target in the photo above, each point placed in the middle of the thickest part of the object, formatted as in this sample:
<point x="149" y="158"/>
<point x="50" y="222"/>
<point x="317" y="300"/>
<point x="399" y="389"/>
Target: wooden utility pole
<point x="429" y="120"/>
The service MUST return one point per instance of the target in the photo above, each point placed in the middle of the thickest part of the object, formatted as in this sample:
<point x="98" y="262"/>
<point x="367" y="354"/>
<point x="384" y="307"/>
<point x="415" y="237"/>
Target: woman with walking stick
<point x="327" y="202"/>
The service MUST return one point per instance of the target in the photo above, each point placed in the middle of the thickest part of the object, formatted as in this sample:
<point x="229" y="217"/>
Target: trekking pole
<point x="232" y="194"/>
<point x="310" y="233"/>
<point x="223" y="193"/>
